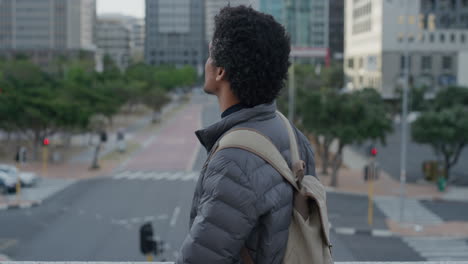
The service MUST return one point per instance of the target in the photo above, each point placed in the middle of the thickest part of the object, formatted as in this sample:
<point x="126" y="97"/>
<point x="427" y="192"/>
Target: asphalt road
<point x="99" y="219"/>
<point x="389" y="158"/>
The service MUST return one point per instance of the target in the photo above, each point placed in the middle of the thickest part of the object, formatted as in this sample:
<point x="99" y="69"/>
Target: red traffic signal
<point x="373" y="152"/>
<point x="46" y="142"/>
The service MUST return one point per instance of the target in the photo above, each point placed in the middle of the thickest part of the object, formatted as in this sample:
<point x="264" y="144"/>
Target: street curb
<point x="420" y="198"/>
<point x="13" y="206"/>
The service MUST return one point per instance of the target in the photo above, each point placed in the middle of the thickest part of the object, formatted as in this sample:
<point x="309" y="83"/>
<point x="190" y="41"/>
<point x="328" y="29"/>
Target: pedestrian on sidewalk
<point x="242" y="205"/>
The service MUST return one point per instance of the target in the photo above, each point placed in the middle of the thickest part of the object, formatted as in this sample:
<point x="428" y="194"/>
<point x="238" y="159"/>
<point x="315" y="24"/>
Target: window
<point x="351" y="63"/>
<point x="431" y="38"/>
<point x="447" y="63"/>
<point x="462" y="38"/>
<point x="361" y="63"/>
<point x="403" y="62"/>
<point x="452" y="38"/>
<point x="422" y="37"/>
<point x="442" y="37"/>
<point x="426" y="62"/>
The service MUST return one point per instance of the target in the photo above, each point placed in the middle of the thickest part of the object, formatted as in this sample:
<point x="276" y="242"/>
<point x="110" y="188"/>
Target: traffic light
<point x="46" y="142"/>
<point x="147" y="244"/>
<point x="373" y="152"/>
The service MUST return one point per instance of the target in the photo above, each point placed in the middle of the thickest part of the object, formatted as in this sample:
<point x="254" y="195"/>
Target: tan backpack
<point x="309" y="240"/>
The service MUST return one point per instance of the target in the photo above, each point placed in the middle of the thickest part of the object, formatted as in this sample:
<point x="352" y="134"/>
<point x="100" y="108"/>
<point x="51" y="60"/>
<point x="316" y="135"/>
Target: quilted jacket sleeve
<point x="225" y="216"/>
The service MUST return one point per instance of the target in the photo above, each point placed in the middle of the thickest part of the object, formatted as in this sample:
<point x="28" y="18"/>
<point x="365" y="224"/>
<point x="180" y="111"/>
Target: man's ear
<point x="220" y="74"/>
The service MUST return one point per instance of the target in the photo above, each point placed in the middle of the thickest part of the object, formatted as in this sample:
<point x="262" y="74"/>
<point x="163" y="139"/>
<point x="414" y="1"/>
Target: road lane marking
<point x="190" y="176"/>
<point x="174" y="217"/>
<point x="175" y="176"/>
<point x="163" y="217"/>
<point x="345" y="231"/>
<point x="134" y="175"/>
<point x="121" y="175"/>
<point x="149" y="219"/>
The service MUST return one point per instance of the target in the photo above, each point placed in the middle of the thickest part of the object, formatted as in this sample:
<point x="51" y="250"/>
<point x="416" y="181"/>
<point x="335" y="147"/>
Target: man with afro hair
<point x="242" y="206"/>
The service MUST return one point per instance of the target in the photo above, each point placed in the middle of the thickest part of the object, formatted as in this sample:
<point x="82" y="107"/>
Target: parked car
<point x="26" y="178"/>
<point x="7" y="183"/>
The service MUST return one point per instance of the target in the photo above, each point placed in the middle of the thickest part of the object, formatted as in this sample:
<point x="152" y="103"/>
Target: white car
<point x="7" y="183"/>
<point x="26" y="178"/>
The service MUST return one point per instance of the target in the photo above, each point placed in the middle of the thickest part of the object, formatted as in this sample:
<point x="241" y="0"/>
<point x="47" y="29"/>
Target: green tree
<point x="445" y="126"/>
<point x="346" y="119"/>
<point x="29" y="102"/>
<point x="155" y="100"/>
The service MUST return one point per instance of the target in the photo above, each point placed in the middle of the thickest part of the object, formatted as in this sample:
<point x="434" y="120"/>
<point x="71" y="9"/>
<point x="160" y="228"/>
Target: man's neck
<point x="226" y="99"/>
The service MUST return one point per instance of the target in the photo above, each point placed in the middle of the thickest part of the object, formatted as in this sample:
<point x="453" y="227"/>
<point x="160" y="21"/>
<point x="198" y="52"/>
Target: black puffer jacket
<point x="240" y="200"/>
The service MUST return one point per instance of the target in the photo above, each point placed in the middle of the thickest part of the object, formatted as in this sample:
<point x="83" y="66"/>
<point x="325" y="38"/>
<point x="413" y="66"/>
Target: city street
<point x="98" y="219"/>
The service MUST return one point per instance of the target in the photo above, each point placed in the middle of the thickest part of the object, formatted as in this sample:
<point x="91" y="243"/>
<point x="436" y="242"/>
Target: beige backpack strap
<point x="253" y="141"/>
<point x="298" y="165"/>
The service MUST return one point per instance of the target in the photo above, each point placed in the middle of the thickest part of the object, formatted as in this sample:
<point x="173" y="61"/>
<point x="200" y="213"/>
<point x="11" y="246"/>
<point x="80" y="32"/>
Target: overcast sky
<point x="128" y="7"/>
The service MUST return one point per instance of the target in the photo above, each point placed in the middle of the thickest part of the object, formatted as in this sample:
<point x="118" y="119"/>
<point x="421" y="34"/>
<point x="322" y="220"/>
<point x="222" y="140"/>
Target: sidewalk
<point x="351" y="180"/>
<point x="416" y="220"/>
<point x="73" y="171"/>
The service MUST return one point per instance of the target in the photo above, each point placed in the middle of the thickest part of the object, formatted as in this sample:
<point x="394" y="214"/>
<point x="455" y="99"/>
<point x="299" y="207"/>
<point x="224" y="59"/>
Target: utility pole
<point x="292" y="92"/>
<point x="404" y="115"/>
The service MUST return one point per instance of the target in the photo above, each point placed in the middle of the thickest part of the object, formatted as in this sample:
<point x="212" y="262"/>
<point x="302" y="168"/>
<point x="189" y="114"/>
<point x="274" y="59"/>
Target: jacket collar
<point x="210" y="135"/>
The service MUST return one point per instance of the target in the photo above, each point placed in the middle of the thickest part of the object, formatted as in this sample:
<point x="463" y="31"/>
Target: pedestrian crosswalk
<point x="156" y="175"/>
<point x="413" y="211"/>
<point x="439" y="248"/>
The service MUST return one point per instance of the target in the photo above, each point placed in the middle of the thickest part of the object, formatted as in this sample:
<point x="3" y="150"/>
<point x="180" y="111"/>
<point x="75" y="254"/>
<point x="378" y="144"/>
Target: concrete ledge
<point x="47" y="262"/>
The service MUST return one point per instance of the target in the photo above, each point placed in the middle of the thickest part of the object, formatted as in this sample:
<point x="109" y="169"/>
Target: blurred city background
<point x="99" y="100"/>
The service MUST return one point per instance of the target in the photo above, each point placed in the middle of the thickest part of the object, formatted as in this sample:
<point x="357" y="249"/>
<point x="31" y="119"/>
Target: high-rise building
<point x="378" y="33"/>
<point x="114" y="40"/>
<point x="137" y="44"/>
<point x="212" y="8"/>
<point x="274" y="8"/>
<point x="306" y="21"/>
<point x="136" y="27"/>
<point x="175" y="33"/>
<point x="336" y="28"/>
<point x="46" y="28"/>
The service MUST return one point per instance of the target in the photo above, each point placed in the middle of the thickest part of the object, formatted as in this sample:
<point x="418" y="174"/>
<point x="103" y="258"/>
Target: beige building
<point x="114" y="40"/>
<point x="377" y="33"/>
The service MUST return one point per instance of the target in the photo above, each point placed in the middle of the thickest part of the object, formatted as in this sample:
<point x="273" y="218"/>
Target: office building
<point x="136" y="27"/>
<point x="175" y="33"/>
<point x="378" y="32"/>
<point x="336" y="29"/>
<point x="307" y="22"/>
<point x="212" y="8"/>
<point x="45" y="29"/>
<point x="113" y="40"/>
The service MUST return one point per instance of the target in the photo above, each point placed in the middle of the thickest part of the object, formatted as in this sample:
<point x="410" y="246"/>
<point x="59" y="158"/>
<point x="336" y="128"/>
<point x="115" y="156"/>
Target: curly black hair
<point x="254" y="51"/>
